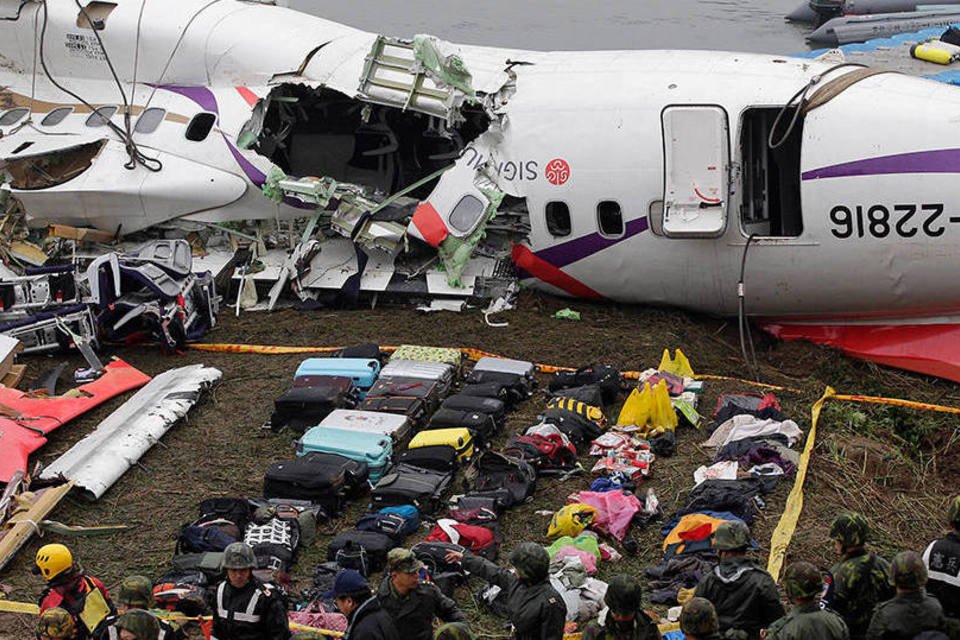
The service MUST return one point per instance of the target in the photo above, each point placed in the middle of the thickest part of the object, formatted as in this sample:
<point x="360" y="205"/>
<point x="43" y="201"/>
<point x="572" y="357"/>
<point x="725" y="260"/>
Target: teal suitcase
<point x="363" y="372"/>
<point x="372" y="448"/>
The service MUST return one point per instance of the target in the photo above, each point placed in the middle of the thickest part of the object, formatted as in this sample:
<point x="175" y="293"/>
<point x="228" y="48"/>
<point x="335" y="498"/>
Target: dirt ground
<point x="895" y="465"/>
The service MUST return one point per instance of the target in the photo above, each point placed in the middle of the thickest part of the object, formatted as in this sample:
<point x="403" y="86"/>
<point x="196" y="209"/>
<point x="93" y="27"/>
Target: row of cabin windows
<point x="609" y="218"/>
<point x="197" y="130"/>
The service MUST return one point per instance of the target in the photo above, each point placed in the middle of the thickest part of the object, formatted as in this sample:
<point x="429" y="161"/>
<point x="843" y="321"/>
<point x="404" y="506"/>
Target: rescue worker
<point x="742" y="592"/>
<point x="803" y="584"/>
<point x="410" y="603"/>
<point x="624" y="617"/>
<point x="942" y="558"/>
<point x="536" y="610"/>
<point x="861" y="580"/>
<point x="245" y="608"/>
<point x="455" y="631"/>
<point x="911" y="611"/>
<point x="84" y="597"/>
<point x="351" y="594"/>
<point x="56" y="624"/>
<point x="136" y="592"/>
<point x="698" y="620"/>
<point x="138" y="624"/>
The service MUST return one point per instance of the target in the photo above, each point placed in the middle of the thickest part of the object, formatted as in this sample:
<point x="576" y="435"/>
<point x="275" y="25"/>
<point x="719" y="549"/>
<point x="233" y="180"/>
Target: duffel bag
<point x="574" y="426"/>
<point x="397" y="522"/>
<point x="236" y="510"/>
<point x="608" y="378"/>
<point x="590" y="394"/>
<point x="546" y="454"/>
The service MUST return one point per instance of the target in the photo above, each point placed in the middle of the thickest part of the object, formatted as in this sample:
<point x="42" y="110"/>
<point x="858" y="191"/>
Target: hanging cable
<point x="743" y="322"/>
<point x="125" y="134"/>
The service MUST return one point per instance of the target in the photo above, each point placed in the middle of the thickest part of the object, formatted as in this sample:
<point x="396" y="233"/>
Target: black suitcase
<point x="490" y="406"/>
<point x="321" y="478"/>
<point x="301" y="408"/>
<point x="344" y="384"/>
<point x="415" y="409"/>
<point x="365" y="551"/>
<point x="588" y="394"/>
<point x="496" y="390"/>
<point x="407" y="484"/>
<point x="519" y="387"/>
<point x="427" y="390"/>
<point x="482" y="425"/>
<point x="442" y="458"/>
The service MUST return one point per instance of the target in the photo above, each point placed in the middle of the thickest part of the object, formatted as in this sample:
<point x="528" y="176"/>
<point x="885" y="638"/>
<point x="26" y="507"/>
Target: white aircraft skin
<point x="877" y="164"/>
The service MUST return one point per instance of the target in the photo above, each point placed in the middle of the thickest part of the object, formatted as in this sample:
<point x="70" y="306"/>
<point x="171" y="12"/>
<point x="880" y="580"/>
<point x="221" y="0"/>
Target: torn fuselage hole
<point x="50" y="169"/>
<point x="310" y="131"/>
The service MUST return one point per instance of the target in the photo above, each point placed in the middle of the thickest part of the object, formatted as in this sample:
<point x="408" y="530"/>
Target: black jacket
<point x="254" y="612"/>
<point x="415" y="612"/>
<point x="536" y="610"/>
<point x="370" y="622"/>
<point x="906" y="615"/>
<point x="942" y="558"/>
<point x="744" y="595"/>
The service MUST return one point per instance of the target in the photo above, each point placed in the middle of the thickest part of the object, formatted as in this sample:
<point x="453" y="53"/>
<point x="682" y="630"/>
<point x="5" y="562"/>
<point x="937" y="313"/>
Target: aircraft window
<point x="466" y="214"/>
<point x="94" y="15"/>
<point x="199" y="128"/>
<point x="558" y="218"/>
<point x="56" y="116"/>
<point x="12" y="116"/>
<point x="101" y="117"/>
<point x="610" y="218"/>
<point x="149" y="120"/>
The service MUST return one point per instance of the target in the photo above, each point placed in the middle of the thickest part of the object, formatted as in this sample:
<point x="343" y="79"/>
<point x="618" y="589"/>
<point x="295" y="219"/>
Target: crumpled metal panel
<point x="100" y="458"/>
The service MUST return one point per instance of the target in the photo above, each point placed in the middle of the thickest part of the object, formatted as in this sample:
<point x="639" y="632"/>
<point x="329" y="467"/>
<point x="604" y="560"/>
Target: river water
<point x="735" y="25"/>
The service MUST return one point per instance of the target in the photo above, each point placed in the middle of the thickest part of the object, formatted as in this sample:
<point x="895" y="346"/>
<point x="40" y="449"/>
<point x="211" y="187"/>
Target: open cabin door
<point x="696" y="158"/>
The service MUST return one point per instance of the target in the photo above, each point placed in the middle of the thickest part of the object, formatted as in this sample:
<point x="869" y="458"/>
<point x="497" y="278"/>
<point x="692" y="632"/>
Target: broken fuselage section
<point x="403" y="204"/>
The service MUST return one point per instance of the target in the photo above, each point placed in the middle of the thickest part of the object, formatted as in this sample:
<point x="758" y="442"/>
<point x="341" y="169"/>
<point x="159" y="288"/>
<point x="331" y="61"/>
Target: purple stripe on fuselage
<point x="937" y="161"/>
<point x="201" y="95"/>
<point x="579" y="248"/>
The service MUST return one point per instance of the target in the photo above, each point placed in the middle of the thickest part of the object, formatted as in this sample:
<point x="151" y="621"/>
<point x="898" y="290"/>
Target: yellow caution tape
<point x="754" y="383"/>
<point x="9" y="606"/>
<point x="791" y="513"/>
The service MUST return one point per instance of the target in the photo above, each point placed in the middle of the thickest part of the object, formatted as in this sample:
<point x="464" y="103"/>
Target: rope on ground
<point x="754" y="383"/>
<point x="787" y="525"/>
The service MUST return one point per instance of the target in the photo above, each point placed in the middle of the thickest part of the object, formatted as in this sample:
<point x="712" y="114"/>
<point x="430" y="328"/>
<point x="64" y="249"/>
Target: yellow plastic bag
<point x="678" y="366"/>
<point x="571" y="520"/>
<point x="636" y="410"/>
<point x="662" y="414"/>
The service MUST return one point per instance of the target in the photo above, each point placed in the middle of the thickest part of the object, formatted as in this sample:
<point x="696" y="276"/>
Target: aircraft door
<point x="696" y="160"/>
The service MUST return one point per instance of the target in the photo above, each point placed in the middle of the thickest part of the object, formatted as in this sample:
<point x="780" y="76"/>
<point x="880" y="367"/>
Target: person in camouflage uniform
<point x="138" y="624"/>
<point x="136" y="592"/>
<point x="535" y="608"/>
<point x="455" y="631"/>
<point x="743" y="593"/>
<point x="698" y="620"/>
<point x="861" y="580"/>
<point x="410" y="603"/>
<point x="624" y="617"/>
<point x="56" y="623"/>
<point x="803" y="583"/>
<point x="911" y="611"/>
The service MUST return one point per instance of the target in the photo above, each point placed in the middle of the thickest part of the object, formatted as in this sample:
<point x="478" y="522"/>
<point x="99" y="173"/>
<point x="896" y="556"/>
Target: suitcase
<point x="414" y="409"/>
<point x="373" y="449"/>
<point x="300" y="408"/>
<point x="496" y="390"/>
<point x="441" y="457"/>
<point x="490" y="406"/>
<point x="459" y="438"/>
<point x="427" y="390"/>
<point x="321" y="478"/>
<point x="481" y="425"/>
<point x="365" y="551"/>
<point x="589" y="393"/>
<point x="397" y="427"/>
<point x="442" y="374"/>
<point x="362" y="371"/>
<point x="506" y="365"/>
<point x="343" y="383"/>
<point x="452" y="357"/>
<point x="367" y="351"/>
<point x="519" y="387"/>
<point x="407" y="484"/>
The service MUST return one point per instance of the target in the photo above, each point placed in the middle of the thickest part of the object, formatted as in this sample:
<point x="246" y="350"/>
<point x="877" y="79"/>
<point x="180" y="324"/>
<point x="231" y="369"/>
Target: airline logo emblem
<point x="557" y="171"/>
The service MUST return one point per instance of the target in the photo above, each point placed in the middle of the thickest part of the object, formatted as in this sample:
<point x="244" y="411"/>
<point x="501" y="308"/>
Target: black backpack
<point x="510" y="481"/>
<point x="608" y="378"/>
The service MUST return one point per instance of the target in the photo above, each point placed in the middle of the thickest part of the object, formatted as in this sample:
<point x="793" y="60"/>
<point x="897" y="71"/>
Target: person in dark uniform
<point x="698" y="620"/>
<point x="138" y="624"/>
<point x="742" y="592"/>
<point x="136" y="592"/>
<point x="245" y="608"/>
<point x="624" y="617"/>
<point x="910" y="612"/>
<point x="368" y="621"/>
<point x="803" y="584"/>
<point x="861" y="580"/>
<point x="536" y="610"/>
<point x="942" y="558"/>
<point x="411" y="603"/>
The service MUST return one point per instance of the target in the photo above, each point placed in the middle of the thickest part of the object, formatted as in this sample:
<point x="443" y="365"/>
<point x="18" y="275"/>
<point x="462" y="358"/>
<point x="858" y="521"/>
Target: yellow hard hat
<point x="52" y="560"/>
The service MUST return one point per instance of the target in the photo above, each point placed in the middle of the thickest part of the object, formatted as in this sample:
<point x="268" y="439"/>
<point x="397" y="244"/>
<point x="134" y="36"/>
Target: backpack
<point x="363" y="551"/>
<point x="397" y="522"/>
<point x="580" y="430"/>
<point x="478" y="540"/>
<point x="546" y="454"/>
<point x="183" y="591"/>
<point x="608" y="378"/>
<point x="510" y="481"/>
<point x="236" y="510"/>
<point x="197" y="539"/>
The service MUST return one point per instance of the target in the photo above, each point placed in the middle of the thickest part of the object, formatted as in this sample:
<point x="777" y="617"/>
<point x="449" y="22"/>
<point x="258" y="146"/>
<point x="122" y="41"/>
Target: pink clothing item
<point x="615" y="510"/>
